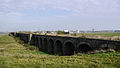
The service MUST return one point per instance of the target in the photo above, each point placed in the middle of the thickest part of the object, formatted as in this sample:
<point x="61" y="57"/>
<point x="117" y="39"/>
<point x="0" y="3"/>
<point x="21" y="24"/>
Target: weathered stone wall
<point x="67" y="45"/>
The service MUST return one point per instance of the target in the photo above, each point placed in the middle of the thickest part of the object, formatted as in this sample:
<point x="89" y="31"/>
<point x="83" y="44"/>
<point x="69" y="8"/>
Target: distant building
<point x="66" y="32"/>
<point x="54" y="32"/>
<point x="76" y="31"/>
<point x="116" y="30"/>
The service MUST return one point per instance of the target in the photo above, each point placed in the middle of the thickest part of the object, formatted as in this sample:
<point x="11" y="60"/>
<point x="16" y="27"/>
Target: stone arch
<point x="68" y="48"/>
<point x="27" y="38"/>
<point x="58" y="47"/>
<point x="104" y="46"/>
<point x="51" y="46"/>
<point x="40" y="44"/>
<point x="45" y="45"/>
<point x="34" y="37"/>
<point x="36" y="41"/>
<point x="84" y="47"/>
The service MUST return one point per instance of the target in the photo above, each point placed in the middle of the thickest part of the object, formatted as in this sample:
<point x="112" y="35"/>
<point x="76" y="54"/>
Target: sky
<point x="37" y="15"/>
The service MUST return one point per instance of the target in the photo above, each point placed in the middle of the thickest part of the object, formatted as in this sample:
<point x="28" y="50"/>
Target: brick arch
<point x="51" y="46"/>
<point x="45" y="46"/>
<point x="105" y="46"/>
<point x="40" y="43"/>
<point x="68" y="48"/>
<point x="36" y="41"/>
<point x="83" y="47"/>
<point x="58" y="45"/>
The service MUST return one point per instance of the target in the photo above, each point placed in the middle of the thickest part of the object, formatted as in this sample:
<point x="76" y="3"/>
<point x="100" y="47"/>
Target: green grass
<point x="101" y="34"/>
<point x="15" y="55"/>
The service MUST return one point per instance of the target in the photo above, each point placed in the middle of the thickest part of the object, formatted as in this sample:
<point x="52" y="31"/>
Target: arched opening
<point x="69" y="48"/>
<point x="40" y="44"/>
<point x="34" y="40"/>
<point x="45" y="45"/>
<point x="51" y="46"/>
<point x="37" y="42"/>
<point x="27" y="38"/>
<point x="84" y="48"/>
<point x="104" y="46"/>
<point x="58" y="48"/>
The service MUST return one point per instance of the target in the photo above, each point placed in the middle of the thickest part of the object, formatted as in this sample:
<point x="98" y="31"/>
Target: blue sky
<point x="26" y="15"/>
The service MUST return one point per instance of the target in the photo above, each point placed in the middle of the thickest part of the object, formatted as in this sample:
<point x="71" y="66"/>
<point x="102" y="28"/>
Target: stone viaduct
<point x="66" y="45"/>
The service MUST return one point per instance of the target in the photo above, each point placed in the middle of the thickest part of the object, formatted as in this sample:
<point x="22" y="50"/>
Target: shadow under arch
<point x="106" y="46"/>
<point x="68" y="48"/>
<point x="84" y="48"/>
<point x="40" y="44"/>
<point x="51" y="46"/>
<point x="58" y="47"/>
<point x="45" y="46"/>
<point x="36" y="41"/>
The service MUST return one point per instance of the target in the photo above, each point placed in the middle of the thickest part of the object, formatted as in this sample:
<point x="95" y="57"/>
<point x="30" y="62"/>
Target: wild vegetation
<point x="103" y="34"/>
<point x="106" y="36"/>
<point x="19" y="55"/>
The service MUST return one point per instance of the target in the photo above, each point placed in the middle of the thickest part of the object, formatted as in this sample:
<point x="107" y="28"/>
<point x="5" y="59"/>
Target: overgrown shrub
<point x="59" y="32"/>
<point x="28" y="47"/>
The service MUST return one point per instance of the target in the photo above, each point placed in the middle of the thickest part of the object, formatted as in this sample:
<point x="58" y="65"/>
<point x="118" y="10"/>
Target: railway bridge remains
<point x="66" y="45"/>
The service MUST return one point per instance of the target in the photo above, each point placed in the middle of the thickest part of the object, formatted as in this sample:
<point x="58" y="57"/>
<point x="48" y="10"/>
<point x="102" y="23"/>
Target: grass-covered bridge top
<point x="115" y="36"/>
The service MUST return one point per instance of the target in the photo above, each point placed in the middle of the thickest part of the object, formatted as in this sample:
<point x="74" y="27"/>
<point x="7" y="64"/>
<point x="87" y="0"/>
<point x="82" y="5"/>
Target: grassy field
<point x="15" y="55"/>
<point x="102" y="34"/>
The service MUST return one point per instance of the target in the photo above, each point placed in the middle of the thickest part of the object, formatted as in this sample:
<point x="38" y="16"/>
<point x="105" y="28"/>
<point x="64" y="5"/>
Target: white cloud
<point x="75" y="6"/>
<point x="14" y="14"/>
